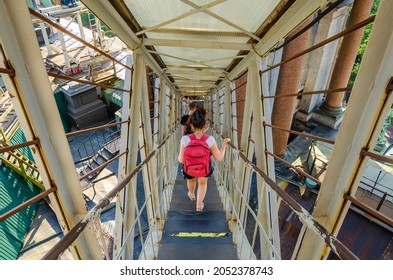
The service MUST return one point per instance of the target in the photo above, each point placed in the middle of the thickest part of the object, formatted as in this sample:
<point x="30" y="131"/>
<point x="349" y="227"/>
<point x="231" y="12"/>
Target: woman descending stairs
<point x="192" y="235"/>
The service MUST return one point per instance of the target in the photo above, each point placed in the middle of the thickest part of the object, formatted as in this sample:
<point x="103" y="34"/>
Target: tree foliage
<point x="363" y="45"/>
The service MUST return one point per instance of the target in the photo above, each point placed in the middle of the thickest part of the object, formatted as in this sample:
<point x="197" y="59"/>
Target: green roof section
<point x="15" y="190"/>
<point x="114" y="96"/>
<point x="62" y="106"/>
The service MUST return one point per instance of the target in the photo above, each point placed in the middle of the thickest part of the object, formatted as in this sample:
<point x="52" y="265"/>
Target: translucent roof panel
<point x="196" y="35"/>
<point x="248" y="14"/>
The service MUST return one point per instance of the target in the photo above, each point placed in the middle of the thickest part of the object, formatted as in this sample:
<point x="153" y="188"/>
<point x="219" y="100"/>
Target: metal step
<point x="107" y="154"/>
<point x="99" y="159"/>
<point x="198" y="251"/>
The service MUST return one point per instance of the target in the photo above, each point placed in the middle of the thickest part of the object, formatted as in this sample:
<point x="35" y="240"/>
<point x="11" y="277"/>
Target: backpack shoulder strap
<point x="205" y="137"/>
<point x="192" y="136"/>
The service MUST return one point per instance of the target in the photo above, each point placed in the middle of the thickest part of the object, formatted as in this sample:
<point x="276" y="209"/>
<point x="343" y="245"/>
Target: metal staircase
<point x="98" y="148"/>
<point x="22" y="165"/>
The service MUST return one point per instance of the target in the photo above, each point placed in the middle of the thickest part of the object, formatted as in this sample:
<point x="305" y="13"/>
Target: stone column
<point x="332" y="106"/>
<point x="321" y="61"/>
<point x="288" y="83"/>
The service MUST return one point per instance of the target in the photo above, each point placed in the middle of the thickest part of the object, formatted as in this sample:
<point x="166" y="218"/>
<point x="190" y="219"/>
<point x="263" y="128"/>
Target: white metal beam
<point x="149" y="172"/>
<point x="224" y="58"/>
<point x="180" y="77"/>
<point x="195" y="86"/>
<point x="267" y="213"/>
<point x="197" y="44"/>
<point x="127" y="200"/>
<point x="181" y="58"/>
<point x="194" y="68"/>
<point x="273" y="197"/>
<point x="186" y="88"/>
<point x="124" y="134"/>
<point x="196" y="73"/>
<point x="200" y="32"/>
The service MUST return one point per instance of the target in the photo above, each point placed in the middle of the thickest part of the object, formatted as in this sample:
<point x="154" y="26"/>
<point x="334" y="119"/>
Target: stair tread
<point x="197" y="252"/>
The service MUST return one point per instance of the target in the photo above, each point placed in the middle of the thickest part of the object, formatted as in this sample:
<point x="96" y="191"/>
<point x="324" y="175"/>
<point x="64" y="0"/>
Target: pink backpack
<point x="197" y="157"/>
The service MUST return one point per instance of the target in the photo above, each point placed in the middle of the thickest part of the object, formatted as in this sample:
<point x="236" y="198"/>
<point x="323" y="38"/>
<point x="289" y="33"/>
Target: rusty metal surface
<point x="290" y="225"/>
<point x="364" y="237"/>
<point x="367" y="239"/>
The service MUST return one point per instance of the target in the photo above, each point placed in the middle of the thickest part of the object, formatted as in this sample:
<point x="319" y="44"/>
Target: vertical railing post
<point x="272" y="196"/>
<point x="168" y="125"/>
<point x="156" y="129"/>
<point x="124" y="134"/>
<point x="162" y="132"/>
<point x="248" y="173"/>
<point x="146" y="139"/>
<point x="234" y="161"/>
<point x="264" y="212"/>
<point x="217" y="110"/>
<point x="246" y="148"/>
<point x="227" y="165"/>
<point x="128" y="209"/>
<point x="163" y="164"/>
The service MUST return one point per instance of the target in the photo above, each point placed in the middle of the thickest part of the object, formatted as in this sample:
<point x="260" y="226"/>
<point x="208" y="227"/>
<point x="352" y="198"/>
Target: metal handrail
<point x="26" y="204"/>
<point x="75" y="231"/>
<point x="253" y="214"/>
<point x="306" y="135"/>
<point x="376" y="156"/>
<point x="335" y="245"/>
<point x="86" y="82"/>
<point x="294" y="167"/>
<point x="325" y="91"/>
<point x="82" y="131"/>
<point x="102" y="166"/>
<point x="375" y="213"/>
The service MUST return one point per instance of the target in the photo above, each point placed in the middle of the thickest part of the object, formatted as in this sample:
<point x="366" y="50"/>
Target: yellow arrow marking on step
<point x="199" y="234"/>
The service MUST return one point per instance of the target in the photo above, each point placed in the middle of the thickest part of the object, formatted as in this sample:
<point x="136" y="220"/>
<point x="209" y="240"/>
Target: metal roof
<point x="14" y="190"/>
<point x="198" y="44"/>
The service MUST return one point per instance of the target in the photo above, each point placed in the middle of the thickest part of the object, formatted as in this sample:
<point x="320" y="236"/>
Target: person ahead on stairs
<point x="194" y="154"/>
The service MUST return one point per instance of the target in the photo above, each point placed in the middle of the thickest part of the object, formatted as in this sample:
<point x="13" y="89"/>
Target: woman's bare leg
<point x="202" y="189"/>
<point x="191" y="185"/>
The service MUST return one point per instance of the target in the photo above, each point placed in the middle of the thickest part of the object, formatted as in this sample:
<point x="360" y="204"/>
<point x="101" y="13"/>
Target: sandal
<point x="191" y="196"/>
<point x="201" y="208"/>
